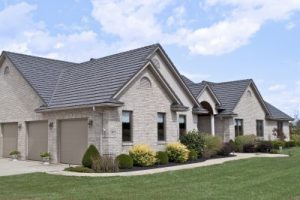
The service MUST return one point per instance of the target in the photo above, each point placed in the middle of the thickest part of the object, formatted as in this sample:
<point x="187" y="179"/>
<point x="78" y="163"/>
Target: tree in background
<point x="295" y="125"/>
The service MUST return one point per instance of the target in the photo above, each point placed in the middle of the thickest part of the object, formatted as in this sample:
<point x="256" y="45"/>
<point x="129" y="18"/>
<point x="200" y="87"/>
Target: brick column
<point x="22" y="140"/>
<point x="53" y="140"/>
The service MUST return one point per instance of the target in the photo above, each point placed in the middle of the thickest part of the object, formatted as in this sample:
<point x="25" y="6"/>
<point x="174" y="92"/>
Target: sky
<point x="212" y="40"/>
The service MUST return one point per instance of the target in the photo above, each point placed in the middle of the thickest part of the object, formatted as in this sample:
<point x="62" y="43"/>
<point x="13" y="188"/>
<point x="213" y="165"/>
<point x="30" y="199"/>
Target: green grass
<point x="258" y="178"/>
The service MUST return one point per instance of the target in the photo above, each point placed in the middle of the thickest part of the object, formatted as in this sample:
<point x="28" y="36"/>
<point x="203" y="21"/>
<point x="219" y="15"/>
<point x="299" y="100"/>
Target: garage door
<point x="10" y="138"/>
<point x="37" y="139"/>
<point x="73" y="140"/>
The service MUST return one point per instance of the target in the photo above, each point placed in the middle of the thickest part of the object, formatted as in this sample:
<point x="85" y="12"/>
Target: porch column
<point x="212" y="124"/>
<point x="53" y="140"/>
<point x="22" y="140"/>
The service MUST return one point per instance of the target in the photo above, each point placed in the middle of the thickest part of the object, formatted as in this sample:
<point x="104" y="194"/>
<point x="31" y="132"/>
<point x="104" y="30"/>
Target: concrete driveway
<point x="9" y="167"/>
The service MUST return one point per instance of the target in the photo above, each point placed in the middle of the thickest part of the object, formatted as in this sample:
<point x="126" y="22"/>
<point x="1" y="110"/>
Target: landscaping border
<point x="210" y="162"/>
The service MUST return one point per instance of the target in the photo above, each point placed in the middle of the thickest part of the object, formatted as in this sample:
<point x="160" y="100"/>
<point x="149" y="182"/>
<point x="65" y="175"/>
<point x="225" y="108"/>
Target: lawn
<point x="258" y="178"/>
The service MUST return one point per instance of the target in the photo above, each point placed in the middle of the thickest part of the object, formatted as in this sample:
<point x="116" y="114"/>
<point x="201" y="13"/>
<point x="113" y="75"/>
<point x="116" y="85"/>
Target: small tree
<point x="91" y="154"/>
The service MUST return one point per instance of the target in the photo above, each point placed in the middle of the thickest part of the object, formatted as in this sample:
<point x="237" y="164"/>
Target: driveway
<point x="8" y="167"/>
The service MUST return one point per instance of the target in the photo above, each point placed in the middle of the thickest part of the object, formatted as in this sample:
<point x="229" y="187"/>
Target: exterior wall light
<point x="90" y="123"/>
<point x="19" y="126"/>
<point x="51" y="125"/>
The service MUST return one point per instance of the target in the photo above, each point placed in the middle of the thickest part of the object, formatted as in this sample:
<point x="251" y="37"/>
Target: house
<point x="114" y="102"/>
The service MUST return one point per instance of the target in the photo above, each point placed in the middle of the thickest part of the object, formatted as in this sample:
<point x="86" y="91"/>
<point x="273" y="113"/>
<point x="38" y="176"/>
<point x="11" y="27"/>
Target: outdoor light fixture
<point x="51" y="125"/>
<point x="19" y="126"/>
<point x="90" y="123"/>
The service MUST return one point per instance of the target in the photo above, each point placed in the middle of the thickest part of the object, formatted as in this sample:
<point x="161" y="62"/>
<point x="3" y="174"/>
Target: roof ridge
<point x="225" y="82"/>
<point x="122" y="52"/>
<point x="39" y="57"/>
<point x="56" y="85"/>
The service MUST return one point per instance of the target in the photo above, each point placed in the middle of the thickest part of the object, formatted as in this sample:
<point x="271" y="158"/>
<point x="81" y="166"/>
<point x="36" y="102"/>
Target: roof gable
<point x="41" y="74"/>
<point x="98" y="80"/>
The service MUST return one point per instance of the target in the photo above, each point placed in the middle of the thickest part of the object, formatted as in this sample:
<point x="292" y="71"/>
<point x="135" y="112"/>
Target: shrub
<point x="193" y="155"/>
<point x="193" y="140"/>
<point x="142" y="155"/>
<point x="278" y="143"/>
<point x="296" y="138"/>
<point x="80" y="169"/>
<point x="162" y="158"/>
<point x="15" y="152"/>
<point x="226" y="149"/>
<point x="90" y="154"/>
<point x="274" y="151"/>
<point x="240" y="141"/>
<point x="213" y="145"/>
<point x="177" y="152"/>
<point x="249" y="148"/>
<point x="290" y="144"/>
<point x="105" y="164"/>
<point x="125" y="161"/>
<point x="264" y="146"/>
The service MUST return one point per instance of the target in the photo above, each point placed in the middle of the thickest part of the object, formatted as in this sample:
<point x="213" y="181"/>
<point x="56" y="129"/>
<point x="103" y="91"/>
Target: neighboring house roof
<point x="230" y="93"/>
<point x="276" y="114"/>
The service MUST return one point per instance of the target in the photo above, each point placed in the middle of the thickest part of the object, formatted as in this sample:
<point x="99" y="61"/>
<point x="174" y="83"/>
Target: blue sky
<point x="214" y="40"/>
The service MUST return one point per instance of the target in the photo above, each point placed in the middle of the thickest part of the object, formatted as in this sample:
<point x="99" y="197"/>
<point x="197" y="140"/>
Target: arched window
<point x="6" y="70"/>
<point x="145" y="82"/>
<point x="249" y="93"/>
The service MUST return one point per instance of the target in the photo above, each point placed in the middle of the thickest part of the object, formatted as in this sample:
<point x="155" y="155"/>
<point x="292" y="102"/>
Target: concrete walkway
<point x="239" y="156"/>
<point x="9" y="167"/>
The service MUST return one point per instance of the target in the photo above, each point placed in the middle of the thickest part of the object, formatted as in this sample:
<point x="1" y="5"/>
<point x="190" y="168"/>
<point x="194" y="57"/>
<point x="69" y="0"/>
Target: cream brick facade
<point x="19" y="101"/>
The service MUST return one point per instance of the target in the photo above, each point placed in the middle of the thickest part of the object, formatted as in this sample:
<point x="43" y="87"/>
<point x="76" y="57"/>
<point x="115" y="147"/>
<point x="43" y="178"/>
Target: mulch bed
<point x="171" y="164"/>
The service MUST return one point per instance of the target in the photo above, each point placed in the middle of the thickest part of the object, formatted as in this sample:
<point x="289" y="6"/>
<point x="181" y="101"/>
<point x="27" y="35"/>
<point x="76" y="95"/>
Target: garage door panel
<point x="37" y="139"/>
<point x="73" y="140"/>
<point x="10" y="138"/>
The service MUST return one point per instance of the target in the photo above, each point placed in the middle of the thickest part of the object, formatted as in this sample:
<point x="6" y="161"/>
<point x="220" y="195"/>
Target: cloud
<point x="277" y="87"/>
<point x="290" y="26"/>
<point x="21" y="33"/>
<point x="141" y="22"/>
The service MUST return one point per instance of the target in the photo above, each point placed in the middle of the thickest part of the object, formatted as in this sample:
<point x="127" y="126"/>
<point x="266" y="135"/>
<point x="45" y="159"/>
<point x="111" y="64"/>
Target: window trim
<point x="164" y="127"/>
<point x="185" y="122"/>
<point x="131" y="126"/>
<point x="263" y="127"/>
<point x="242" y="124"/>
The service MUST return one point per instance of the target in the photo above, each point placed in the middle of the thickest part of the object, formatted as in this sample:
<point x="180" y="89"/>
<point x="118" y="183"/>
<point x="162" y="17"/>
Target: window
<point x="145" y="83"/>
<point x="279" y="129"/>
<point x="161" y="136"/>
<point x="249" y="93"/>
<point x="6" y="70"/>
<point x="126" y="126"/>
<point x="182" y="125"/>
<point x="239" y="127"/>
<point x="260" y="128"/>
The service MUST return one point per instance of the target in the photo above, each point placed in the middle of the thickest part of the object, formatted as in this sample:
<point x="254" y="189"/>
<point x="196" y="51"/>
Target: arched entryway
<point x="206" y="122"/>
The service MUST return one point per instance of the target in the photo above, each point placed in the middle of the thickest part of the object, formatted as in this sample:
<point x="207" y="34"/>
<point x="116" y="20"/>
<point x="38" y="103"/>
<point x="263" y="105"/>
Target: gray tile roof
<point x="195" y="88"/>
<point x="41" y="73"/>
<point x="229" y="93"/>
<point x="277" y="114"/>
<point x="65" y="84"/>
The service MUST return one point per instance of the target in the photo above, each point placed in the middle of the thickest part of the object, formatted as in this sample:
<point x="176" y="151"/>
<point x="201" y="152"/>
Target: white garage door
<point x="37" y="139"/>
<point x="73" y="140"/>
<point x="10" y="138"/>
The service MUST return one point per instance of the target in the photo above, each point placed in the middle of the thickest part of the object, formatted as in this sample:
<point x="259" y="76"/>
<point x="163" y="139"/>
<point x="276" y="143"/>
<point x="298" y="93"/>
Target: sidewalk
<point x="239" y="156"/>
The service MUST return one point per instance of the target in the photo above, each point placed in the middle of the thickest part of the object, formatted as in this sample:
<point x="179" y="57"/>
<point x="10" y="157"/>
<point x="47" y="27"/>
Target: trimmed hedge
<point x="264" y="146"/>
<point x="125" y="161"/>
<point x="142" y="155"/>
<point x="79" y="169"/>
<point x="249" y="148"/>
<point x="90" y="154"/>
<point x="162" y="158"/>
<point x="177" y="152"/>
<point x="226" y="149"/>
<point x="242" y="140"/>
<point x="278" y="143"/>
